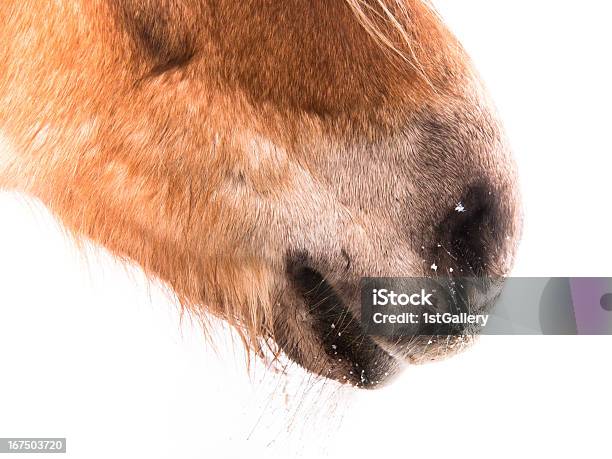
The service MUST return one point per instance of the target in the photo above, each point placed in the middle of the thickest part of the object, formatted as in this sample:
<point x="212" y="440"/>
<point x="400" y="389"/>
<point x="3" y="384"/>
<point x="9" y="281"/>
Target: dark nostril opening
<point x="470" y="233"/>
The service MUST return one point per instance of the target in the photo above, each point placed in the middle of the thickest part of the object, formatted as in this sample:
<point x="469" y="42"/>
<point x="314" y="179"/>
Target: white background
<point x="91" y="351"/>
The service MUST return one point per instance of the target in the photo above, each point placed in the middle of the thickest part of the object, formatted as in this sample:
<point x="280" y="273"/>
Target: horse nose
<point x="472" y="237"/>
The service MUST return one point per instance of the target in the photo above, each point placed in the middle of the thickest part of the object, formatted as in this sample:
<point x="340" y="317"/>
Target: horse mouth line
<point x="356" y="358"/>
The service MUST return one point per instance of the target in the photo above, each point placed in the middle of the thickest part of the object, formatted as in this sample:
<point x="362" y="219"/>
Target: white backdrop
<point x="91" y="351"/>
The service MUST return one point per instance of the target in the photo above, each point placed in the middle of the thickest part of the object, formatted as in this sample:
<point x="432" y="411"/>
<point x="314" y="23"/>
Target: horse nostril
<point x="471" y="233"/>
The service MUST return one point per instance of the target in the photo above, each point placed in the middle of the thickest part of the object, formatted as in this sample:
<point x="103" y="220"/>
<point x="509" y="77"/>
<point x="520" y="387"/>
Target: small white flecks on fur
<point x="460" y="207"/>
<point x="434" y="267"/>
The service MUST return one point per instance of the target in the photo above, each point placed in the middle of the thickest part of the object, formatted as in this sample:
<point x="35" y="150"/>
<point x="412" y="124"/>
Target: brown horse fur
<point x="218" y="144"/>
